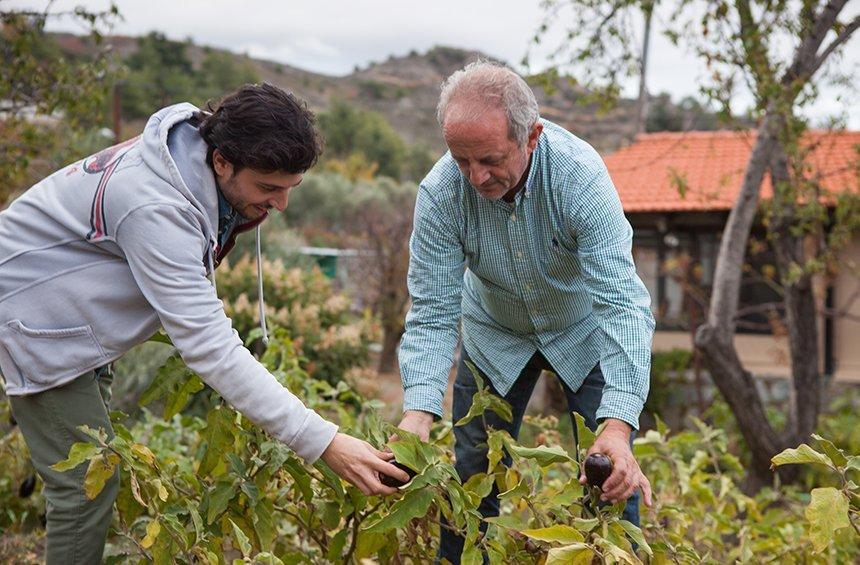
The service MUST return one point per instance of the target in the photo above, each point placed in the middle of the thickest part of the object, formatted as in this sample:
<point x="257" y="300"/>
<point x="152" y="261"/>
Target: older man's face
<point x="492" y="162"/>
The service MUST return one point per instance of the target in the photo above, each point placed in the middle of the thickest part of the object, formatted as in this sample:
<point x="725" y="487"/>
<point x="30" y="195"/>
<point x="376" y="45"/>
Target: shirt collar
<point x="533" y="166"/>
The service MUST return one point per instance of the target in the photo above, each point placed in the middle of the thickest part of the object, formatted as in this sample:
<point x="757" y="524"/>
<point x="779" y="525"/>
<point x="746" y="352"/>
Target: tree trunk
<point x="715" y="338"/>
<point x="388" y="356"/>
<point x="801" y="314"/>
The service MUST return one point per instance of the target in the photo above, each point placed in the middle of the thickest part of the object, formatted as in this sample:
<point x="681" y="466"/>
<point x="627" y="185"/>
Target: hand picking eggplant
<point x="397" y="483"/>
<point x="598" y="467"/>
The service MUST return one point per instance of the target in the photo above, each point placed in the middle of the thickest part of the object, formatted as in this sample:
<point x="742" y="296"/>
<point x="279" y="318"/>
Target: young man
<point x="98" y="256"/>
<point x="519" y="233"/>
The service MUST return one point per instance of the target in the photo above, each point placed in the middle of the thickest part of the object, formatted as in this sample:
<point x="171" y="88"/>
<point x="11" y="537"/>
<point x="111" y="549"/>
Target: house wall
<point x="766" y="355"/>
<point x="763" y="355"/>
<point x="846" y="332"/>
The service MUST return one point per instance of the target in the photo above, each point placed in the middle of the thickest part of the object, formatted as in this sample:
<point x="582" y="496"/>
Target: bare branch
<point x="843" y="36"/>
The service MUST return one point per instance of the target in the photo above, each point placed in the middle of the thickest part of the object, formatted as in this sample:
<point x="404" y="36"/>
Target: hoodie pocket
<point x="48" y="356"/>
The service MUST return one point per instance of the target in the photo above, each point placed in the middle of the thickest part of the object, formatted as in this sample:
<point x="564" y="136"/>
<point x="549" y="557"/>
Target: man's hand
<point x="360" y="463"/>
<point x="626" y="477"/>
<point x="417" y="422"/>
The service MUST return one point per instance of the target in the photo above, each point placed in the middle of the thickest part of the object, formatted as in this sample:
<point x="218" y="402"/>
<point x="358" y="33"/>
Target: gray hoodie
<point x="98" y="256"/>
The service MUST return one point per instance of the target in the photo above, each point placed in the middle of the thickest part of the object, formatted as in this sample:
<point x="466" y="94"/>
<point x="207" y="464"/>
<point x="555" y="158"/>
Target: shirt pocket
<point x="49" y="356"/>
<point x="560" y="256"/>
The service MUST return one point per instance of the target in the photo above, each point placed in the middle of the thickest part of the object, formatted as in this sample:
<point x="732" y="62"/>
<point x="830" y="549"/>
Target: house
<point x="677" y="190"/>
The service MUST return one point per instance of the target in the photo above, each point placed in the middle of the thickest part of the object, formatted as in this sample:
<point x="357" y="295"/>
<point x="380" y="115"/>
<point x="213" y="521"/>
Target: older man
<point x="520" y="234"/>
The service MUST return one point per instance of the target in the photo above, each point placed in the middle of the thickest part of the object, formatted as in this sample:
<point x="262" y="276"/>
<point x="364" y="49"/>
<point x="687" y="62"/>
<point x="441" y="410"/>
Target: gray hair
<point x="492" y="85"/>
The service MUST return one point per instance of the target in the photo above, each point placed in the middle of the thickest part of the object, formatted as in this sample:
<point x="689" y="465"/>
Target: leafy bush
<point x="17" y="513"/>
<point x="327" y="337"/>
<point x="218" y="488"/>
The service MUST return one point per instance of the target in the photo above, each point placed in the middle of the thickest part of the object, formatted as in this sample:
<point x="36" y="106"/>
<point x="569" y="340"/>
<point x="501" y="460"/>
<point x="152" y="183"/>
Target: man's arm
<point x="164" y="248"/>
<point x="435" y="280"/>
<point x="622" y="306"/>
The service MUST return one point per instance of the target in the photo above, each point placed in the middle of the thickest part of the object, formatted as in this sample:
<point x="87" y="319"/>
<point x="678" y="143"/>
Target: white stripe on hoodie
<point x="97" y="256"/>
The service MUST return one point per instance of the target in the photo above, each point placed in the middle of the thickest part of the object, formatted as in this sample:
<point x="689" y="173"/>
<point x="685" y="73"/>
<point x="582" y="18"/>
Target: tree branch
<point x="843" y="36"/>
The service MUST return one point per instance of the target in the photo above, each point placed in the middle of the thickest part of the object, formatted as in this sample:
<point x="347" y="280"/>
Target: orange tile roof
<point x="711" y="165"/>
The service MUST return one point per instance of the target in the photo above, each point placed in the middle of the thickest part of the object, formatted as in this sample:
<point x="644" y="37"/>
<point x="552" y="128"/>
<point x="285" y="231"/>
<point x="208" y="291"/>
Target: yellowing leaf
<point x="803" y="454"/>
<point x="135" y="490"/>
<point x="100" y="470"/>
<point x="827" y="512"/>
<point x="574" y="554"/>
<point x="558" y="533"/>
<point x="143" y="453"/>
<point x="152" y="531"/>
<point x="162" y="491"/>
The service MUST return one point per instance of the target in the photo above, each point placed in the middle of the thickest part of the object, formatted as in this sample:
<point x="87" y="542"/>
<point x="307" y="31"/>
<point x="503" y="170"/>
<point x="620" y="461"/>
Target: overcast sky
<point x="333" y="36"/>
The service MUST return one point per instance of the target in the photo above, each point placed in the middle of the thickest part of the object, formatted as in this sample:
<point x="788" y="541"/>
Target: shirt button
<point x="519" y="254"/>
<point x="513" y="217"/>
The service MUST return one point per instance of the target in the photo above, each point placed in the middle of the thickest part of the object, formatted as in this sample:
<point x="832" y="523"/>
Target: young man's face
<point x="492" y="162"/>
<point x="250" y="192"/>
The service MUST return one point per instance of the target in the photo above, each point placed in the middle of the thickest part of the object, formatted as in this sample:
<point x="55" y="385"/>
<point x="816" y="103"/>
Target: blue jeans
<point x="470" y="440"/>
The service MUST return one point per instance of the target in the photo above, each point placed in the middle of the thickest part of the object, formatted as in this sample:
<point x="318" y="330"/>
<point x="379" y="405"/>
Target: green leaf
<point x="573" y="554"/>
<point x="636" y="535"/>
<point x="338" y="542"/>
<point x="521" y="490"/>
<point x="803" y="454"/>
<point x="178" y="399"/>
<point x="827" y="512"/>
<point x="78" y="453"/>
<point x="244" y="542"/>
<point x="160" y="337"/>
<point x="369" y="543"/>
<point x="218" y="435"/>
<point x="542" y="454"/>
<point x="196" y="519"/>
<point x="496" y="444"/>
<point x="585" y="524"/>
<point x="264" y="523"/>
<point x="301" y="477"/>
<point x="507" y="522"/>
<point x="558" y="533"/>
<point x="219" y="498"/>
<point x="267" y="558"/>
<point x="479" y="485"/>
<point x="409" y="450"/>
<point x="853" y="463"/>
<point x="100" y="470"/>
<point x="836" y="455"/>
<point x="484" y="400"/>
<point x="584" y="434"/>
<point x="413" y="505"/>
<point x="165" y="378"/>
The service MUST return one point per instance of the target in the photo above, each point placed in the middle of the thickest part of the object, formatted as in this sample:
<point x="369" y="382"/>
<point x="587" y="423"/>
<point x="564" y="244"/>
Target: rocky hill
<point x="405" y="89"/>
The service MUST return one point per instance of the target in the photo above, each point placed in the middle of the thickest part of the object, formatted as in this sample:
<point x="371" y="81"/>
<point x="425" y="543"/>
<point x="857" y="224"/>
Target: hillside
<point x="404" y="89"/>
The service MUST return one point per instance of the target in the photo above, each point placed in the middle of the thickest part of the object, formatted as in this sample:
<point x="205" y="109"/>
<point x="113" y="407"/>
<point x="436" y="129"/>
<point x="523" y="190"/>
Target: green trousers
<point x="49" y="420"/>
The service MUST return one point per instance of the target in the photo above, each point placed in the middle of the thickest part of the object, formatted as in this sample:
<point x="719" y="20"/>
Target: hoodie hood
<point x="183" y="153"/>
<point x="201" y="190"/>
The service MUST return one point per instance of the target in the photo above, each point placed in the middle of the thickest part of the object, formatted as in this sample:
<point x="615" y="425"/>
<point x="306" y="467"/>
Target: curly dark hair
<point x="263" y="128"/>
